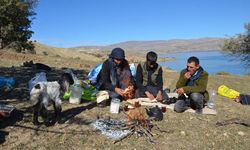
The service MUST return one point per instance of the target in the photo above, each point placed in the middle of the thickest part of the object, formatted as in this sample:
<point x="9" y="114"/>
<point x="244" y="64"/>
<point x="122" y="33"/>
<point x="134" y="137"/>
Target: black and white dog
<point x="44" y="93"/>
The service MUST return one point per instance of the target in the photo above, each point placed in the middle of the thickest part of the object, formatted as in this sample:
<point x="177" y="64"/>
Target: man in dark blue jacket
<point x="115" y="75"/>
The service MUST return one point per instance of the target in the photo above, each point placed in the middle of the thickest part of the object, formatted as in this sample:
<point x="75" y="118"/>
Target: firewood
<point x="233" y="121"/>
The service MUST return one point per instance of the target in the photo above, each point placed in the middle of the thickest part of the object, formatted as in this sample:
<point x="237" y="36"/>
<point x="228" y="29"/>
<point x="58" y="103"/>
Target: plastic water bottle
<point x="211" y="102"/>
<point x="75" y="94"/>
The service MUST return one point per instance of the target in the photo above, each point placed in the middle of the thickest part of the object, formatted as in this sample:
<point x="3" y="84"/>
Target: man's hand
<point x="180" y="91"/>
<point x="187" y="75"/>
<point x="159" y="96"/>
<point x="119" y="91"/>
<point x="149" y="95"/>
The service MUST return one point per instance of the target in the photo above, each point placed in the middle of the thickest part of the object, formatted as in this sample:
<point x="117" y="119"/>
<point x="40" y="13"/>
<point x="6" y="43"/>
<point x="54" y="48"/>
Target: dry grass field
<point x="187" y="130"/>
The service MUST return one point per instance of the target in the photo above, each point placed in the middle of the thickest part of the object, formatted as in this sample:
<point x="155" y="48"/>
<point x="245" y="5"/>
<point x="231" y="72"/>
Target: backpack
<point x="244" y="99"/>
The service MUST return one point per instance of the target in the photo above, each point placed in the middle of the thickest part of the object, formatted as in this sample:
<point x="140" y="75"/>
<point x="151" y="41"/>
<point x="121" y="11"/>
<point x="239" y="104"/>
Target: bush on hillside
<point x="239" y="45"/>
<point x="222" y="73"/>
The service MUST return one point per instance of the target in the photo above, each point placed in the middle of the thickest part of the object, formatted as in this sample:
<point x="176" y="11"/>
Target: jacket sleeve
<point x="181" y="81"/>
<point x="200" y="85"/>
<point x="105" y="77"/>
<point x="159" y="80"/>
<point x="139" y="79"/>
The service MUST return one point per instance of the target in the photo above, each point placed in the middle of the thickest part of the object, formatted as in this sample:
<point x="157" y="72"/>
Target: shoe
<point x="169" y="101"/>
<point x="166" y="101"/>
<point x="167" y="90"/>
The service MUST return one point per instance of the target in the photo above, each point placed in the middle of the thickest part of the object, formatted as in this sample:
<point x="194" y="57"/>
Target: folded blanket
<point x="148" y="102"/>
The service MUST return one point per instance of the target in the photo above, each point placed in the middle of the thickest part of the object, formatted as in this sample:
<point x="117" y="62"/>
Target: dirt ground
<point x="187" y="130"/>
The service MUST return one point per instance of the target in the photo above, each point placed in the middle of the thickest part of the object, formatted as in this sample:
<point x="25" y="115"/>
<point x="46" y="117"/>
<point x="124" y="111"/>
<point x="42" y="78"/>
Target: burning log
<point x="137" y="115"/>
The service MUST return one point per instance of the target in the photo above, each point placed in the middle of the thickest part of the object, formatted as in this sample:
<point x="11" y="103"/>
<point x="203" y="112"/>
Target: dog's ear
<point x="37" y="86"/>
<point x="67" y="77"/>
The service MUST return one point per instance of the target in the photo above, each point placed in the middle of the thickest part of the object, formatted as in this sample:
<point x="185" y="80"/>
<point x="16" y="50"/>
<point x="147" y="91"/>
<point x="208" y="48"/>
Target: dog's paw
<point x="36" y="123"/>
<point x="49" y="122"/>
<point x="61" y="121"/>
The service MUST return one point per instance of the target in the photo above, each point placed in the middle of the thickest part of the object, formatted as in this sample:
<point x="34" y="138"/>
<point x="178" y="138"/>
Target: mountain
<point x="176" y="45"/>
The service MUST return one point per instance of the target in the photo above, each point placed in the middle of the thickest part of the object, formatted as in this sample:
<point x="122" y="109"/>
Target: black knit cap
<point x="151" y="57"/>
<point x="117" y="53"/>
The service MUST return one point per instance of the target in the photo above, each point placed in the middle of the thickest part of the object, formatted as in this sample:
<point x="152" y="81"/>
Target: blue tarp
<point x="92" y="76"/>
<point x="7" y="81"/>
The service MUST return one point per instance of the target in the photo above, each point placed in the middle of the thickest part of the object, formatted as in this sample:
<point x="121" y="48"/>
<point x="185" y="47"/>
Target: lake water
<point x="211" y="61"/>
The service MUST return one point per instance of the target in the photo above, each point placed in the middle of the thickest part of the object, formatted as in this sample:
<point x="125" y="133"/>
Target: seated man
<point x="115" y="76"/>
<point x="191" y="87"/>
<point x="149" y="80"/>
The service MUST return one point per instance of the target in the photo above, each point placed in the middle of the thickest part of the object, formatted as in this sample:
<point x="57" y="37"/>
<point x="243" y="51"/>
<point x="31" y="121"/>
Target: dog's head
<point x="65" y="81"/>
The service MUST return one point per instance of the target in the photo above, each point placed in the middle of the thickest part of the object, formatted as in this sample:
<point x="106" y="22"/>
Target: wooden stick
<point x="232" y="121"/>
<point x="165" y="131"/>
<point x="126" y="136"/>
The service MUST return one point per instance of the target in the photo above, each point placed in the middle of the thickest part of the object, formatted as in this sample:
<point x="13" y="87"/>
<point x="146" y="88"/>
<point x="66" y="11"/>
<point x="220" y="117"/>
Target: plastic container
<point x="75" y="94"/>
<point x="6" y="110"/>
<point x="115" y="105"/>
<point x="211" y="101"/>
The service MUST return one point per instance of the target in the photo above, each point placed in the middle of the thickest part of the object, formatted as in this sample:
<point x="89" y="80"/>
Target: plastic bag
<point x="40" y="77"/>
<point x="92" y="76"/>
<point x="87" y="94"/>
<point x="227" y="92"/>
<point x="93" y="73"/>
<point x="155" y="112"/>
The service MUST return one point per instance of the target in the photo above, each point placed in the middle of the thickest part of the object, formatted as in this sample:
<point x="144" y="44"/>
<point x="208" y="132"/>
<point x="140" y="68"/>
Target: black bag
<point x="244" y="99"/>
<point x="155" y="112"/>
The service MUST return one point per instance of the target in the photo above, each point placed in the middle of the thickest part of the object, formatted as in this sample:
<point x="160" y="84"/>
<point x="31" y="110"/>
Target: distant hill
<point x="202" y="44"/>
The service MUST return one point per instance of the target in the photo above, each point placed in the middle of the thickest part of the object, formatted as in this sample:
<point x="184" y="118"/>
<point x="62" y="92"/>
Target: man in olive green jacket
<point x="191" y="87"/>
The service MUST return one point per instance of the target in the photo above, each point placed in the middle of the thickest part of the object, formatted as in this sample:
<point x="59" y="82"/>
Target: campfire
<point x="136" y="124"/>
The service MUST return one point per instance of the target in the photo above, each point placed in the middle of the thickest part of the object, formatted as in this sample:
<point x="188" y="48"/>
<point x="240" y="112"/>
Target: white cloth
<point x="101" y="96"/>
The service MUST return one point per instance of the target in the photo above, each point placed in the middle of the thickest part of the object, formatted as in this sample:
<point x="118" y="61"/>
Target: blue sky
<point x="70" y="23"/>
